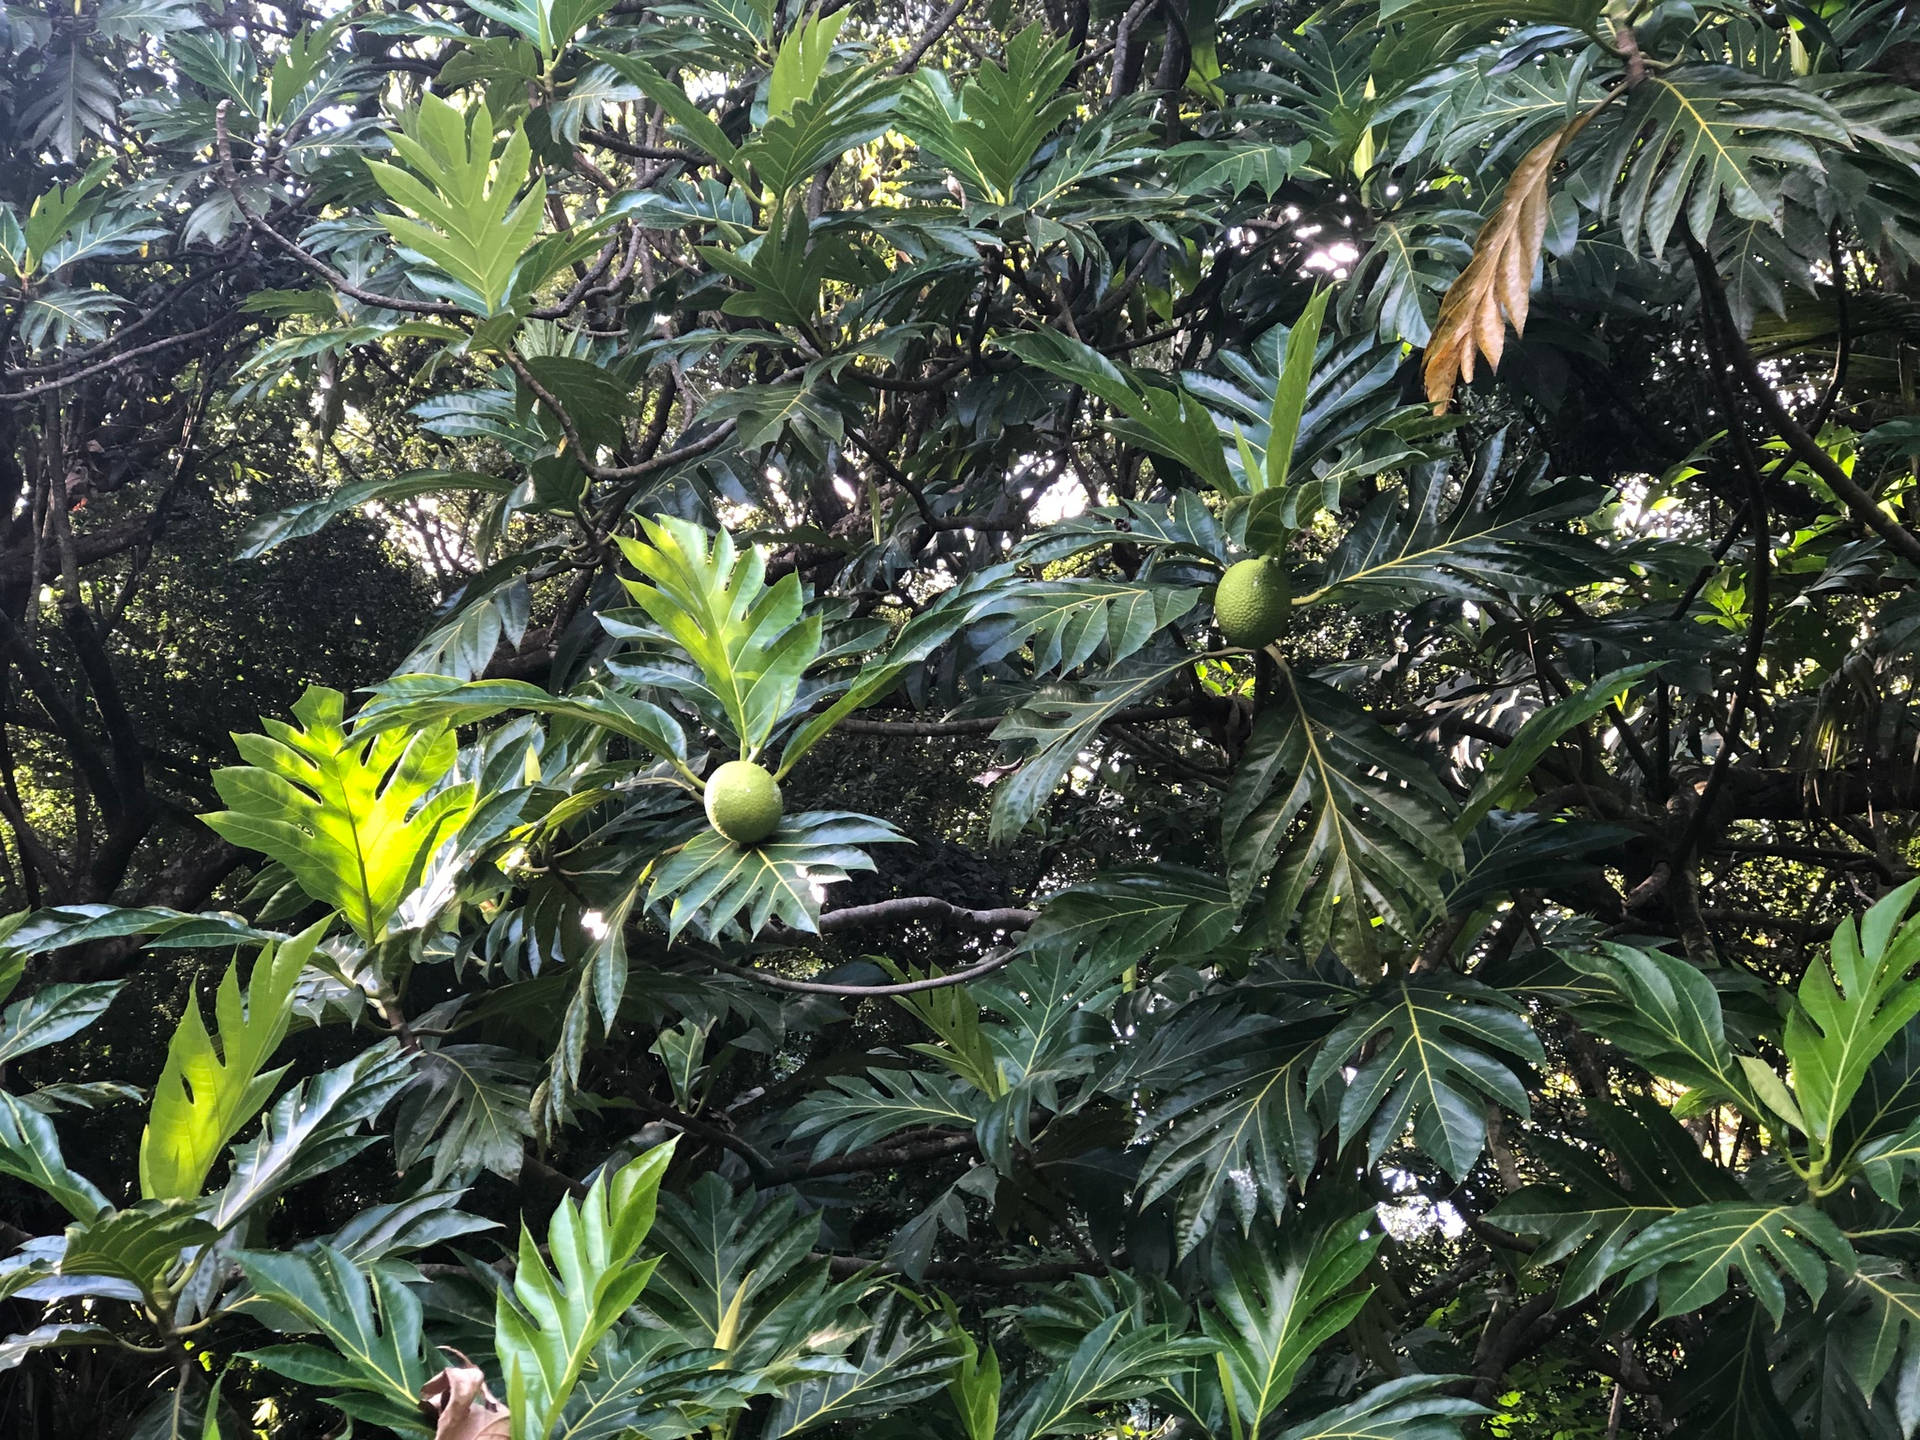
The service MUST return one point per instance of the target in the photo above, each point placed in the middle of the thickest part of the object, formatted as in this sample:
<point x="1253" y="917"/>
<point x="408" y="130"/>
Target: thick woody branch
<point x="89" y="547"/>
<point x="53" y="699"/>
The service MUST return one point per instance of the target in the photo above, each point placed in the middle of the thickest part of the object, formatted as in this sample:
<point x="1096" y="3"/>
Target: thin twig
<point x="223" y="146"/>
<point x="863" y="992"/>
<point x="1809" y="450"/>
<point x="1719" y="336"/>
<point x="114" y="362"/>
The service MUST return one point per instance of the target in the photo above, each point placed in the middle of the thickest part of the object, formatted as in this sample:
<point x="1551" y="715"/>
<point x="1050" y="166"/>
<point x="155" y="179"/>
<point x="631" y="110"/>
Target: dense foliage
<point x="1487" y="1008"/>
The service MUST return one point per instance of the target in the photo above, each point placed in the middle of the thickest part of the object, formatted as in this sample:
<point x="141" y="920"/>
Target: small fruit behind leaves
<point x="1252" y="602"/>
<point x="743" y="802"/>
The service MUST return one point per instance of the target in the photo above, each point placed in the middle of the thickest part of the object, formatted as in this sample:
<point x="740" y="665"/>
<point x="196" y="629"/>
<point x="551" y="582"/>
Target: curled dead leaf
<point x="462" y="1408"/>
<point x="1498" y="281"/>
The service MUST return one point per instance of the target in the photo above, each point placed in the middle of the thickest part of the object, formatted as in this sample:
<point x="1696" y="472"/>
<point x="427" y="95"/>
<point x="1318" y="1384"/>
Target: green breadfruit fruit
<point x="743" y="802"/>
<point x="1252" y="603"/>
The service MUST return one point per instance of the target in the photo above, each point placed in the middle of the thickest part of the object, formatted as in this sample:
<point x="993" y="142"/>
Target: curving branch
<point x="1807" y="449"/>
<point x="866" y="992"/>
<point x="1721" y="336"/>
<point x="986" y="724"/>
<point x="223" y="147"/>
<point x="114" y="362"/>
<point x="876" y="1157"/>
<point x="926" y="907"/>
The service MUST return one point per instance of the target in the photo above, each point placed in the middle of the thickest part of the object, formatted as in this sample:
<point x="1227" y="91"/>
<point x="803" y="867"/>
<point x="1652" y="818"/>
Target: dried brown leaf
<point x="462" y="1408"/>
<point x="1498" y="281"/>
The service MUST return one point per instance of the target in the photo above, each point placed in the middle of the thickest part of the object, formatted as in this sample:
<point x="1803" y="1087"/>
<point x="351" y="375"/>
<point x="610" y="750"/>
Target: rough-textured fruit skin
<point x="1252" y="603"/>
<point x="743" y="802"/>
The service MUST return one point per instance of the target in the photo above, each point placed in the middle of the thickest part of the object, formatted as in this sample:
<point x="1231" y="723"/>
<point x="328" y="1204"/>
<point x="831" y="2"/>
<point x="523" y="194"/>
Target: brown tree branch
<point x="114" y="362"/>
<point x="930" y="37"/>
<point x="875" y="1157"/>
<point x="985" y="725"/>
<point x="864" y="992"/>
<point x="977" y="1272"/>
<point x="223" y="147"/>
<point x="1805" y="447"/>
<point x="925" y="907"/>
<point x="1759" y="586"/>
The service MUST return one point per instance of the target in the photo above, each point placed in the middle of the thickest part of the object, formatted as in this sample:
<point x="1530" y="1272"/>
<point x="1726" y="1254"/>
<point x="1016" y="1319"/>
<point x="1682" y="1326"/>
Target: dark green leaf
<point x="1431" y="1054"/>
